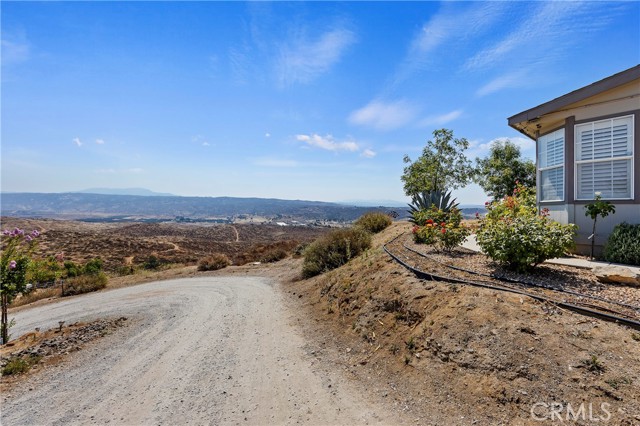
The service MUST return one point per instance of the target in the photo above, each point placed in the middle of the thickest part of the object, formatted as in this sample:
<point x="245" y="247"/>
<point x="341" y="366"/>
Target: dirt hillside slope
<point x="452" y="354"/>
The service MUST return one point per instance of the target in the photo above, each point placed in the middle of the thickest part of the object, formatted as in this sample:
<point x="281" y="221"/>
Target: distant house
<point x="588" y="141"/>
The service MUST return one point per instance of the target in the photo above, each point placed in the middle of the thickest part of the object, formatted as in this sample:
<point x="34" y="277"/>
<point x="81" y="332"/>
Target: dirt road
<point x="214" y="350"/>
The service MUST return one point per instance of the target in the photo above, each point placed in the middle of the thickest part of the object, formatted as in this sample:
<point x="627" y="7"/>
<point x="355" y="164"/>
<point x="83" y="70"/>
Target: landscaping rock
<point x="616" y="274"/>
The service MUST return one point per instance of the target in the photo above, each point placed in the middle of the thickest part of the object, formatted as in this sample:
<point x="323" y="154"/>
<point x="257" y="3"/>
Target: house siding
<point x="619" y="101"/>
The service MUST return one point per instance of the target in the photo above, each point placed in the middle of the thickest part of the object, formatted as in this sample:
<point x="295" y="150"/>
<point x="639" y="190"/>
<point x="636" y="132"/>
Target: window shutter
<point x="600" y="154"/>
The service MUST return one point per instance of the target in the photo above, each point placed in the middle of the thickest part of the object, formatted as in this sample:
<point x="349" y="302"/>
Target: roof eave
<point x="619" y="79"/>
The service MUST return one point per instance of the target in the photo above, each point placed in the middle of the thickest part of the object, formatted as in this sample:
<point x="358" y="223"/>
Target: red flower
<point x="444" y="230"/>
<point x="429" y="220"/>
<point x="443" y="224"/>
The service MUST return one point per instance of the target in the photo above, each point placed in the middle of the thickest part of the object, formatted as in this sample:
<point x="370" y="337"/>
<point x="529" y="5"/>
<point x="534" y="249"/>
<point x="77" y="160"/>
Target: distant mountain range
<point x="80" y="205"/>
<point x="124" y="191"/>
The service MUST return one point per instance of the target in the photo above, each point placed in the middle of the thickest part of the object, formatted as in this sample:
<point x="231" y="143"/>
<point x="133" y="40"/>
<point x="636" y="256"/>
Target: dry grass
<point x="35" y="295"/>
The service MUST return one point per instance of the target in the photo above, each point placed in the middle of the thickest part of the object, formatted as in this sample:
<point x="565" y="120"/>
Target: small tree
<point x="441" y="166"/>
<point x="14" y="263"/>
<point x="595" y="209"/>
<point x="499" y="173"/>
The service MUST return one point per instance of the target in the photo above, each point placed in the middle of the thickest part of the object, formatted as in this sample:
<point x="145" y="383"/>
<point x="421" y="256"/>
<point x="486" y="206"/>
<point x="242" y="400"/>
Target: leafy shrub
<point x="93" y="267"/>
<point x="152" y="263"/>
<point x="85" y="284"/>
<point x="441" y="228"/>
<point x="334" y="250"/>
<point x="71" y="269"/>
<point x="43" y="270"/>
<point x="516" y="236"/>
<point x="271" y="252"/>
<point x="273" y="255"/>
<point x="214" y="262"/>
<point x="373" y="222"/>
<point x="623" y="245"/>
<point x="19" y="365"/>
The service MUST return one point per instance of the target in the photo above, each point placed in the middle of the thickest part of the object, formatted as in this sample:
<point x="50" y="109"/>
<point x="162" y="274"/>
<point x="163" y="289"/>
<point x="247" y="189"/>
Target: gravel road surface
<point x="198" y="351"/>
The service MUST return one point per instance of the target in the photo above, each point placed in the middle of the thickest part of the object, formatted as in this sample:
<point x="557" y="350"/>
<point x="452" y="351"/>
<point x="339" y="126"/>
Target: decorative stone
<point x="616" y="274"/>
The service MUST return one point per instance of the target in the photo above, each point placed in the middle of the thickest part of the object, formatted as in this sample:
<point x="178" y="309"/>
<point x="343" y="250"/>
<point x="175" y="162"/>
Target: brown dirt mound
<point x="454" y="354"/>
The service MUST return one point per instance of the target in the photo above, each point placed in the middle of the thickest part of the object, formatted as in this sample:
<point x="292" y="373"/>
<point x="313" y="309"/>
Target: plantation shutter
<point x="604" y="155"/>
<point x="551" y="166"/>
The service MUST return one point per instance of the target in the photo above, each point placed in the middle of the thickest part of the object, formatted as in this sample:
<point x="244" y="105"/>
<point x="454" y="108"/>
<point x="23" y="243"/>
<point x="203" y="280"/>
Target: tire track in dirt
<point x="214" y="350"/>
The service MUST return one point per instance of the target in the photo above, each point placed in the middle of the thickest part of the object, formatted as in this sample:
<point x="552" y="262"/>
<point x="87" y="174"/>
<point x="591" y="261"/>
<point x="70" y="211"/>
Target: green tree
<point x="14" y="262"/>
<point x="598" y="208"/>
<point x="499" y="173"/>
<point x="441" y="166"/>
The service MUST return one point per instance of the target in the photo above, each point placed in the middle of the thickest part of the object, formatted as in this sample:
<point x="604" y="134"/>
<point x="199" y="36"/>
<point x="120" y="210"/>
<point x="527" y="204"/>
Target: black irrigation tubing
<point x="578" y="309"/>
<point x="527" y="283"/>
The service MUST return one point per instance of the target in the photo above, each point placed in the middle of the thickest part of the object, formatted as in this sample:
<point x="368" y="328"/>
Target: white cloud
<point x="439" y="120"/>
<point x="205" y="143"/>
<point x="515" y="79"/>
<point x="327" y="143"/>
<point x="303" y="60"/>
<point x="77" y="141"/>
<point x="100" y="141"/>
<point x="367" y="153"/>
<point x="383" y="116"/>
<point x="525" y="144"/>
<point x="267" y="135"/>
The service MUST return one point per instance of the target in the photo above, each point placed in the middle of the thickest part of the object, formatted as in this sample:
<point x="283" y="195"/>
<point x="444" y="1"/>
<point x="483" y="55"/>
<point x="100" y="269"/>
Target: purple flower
<point x="17" y="232"/>
<point x="35" y="233"/>
<point x="28" y="238"/>
<point x="6" y="232"/>
<point x="12" y="264"/>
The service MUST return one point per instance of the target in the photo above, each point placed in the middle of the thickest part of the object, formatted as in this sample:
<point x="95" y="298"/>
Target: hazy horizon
<point x="289" y="100"/>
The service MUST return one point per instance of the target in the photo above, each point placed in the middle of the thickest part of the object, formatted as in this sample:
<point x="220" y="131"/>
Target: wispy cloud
<point x="304" y="60"/>
<point x="99" y="141"/>
<point x="14" y="50"/>
<point x="384" y="115"/>
<point x="77" y="141"/>
<point x="505" y="81"/>
<point x="442" y="119"/>
<point x="368" y="153"/>
<point x="454" y="24"/>
<point x="328" y="143"/>
<point x="549" y="29"/>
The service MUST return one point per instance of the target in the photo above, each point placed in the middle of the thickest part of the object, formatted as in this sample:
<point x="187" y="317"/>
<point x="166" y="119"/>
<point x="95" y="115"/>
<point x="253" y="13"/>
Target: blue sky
<point x="316" y="101"/>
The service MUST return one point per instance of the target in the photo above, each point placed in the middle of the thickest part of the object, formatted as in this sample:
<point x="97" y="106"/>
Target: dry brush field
<point x="133" y="243"/>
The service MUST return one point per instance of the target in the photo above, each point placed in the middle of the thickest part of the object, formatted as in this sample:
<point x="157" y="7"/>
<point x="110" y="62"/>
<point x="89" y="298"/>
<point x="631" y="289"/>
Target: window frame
<point x="629" y="158"/>
<point x="560" y="165"/>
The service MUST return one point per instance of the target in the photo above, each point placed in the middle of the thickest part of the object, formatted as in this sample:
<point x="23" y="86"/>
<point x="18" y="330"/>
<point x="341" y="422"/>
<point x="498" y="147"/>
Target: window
<point x="551" y="166"/>
<point x="604" y="158"/>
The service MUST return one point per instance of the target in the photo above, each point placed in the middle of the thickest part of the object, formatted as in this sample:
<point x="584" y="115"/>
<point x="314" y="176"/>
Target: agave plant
<point x="425" y="200"/>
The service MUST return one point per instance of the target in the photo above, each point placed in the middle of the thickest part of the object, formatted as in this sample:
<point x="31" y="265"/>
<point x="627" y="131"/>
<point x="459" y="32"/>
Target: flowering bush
<point x="515" y="235"/>
<point x="440" y="228"/>
<point x="17" y="247"/>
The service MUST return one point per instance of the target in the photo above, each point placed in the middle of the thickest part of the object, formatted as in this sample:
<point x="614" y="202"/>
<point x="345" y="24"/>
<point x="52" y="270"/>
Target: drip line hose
<point x="516" y="281"/>
<point x="578" y="309"/>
